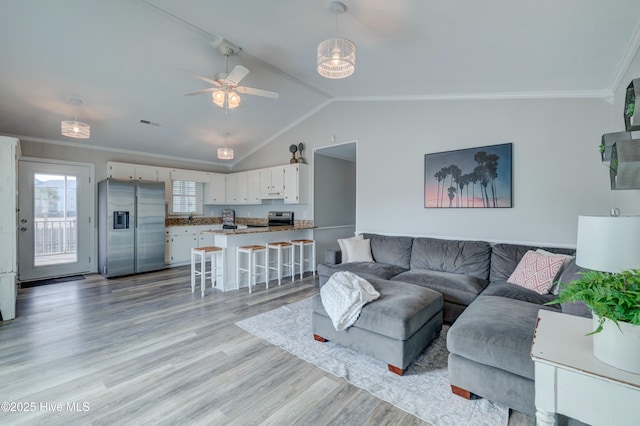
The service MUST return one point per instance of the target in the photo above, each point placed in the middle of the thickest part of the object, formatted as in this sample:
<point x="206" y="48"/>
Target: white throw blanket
<point x="343" y="297"/>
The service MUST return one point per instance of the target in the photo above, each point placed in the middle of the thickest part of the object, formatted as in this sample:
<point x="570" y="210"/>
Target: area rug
<point x="423" y="390"/>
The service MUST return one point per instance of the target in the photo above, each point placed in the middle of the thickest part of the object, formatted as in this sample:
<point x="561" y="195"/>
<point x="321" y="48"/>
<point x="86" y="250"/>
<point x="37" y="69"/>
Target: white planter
<point x="618" y="347"/>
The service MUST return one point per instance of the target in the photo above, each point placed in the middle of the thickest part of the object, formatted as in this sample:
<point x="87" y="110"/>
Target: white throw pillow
<point x="553" y="287"/>
<point x="345" y="258"/>
<point x="358" y="250"/>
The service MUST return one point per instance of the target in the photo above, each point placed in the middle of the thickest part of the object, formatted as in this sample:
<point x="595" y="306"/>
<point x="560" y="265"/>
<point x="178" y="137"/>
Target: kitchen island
<point x="231" y="239"/>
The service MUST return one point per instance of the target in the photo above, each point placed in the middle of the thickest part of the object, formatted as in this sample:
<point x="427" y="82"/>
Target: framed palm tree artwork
<point x="469" y="178"/>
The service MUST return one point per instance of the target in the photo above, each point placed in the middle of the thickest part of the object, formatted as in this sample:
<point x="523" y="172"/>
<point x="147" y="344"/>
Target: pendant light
<point x="336" y="56"/>
<point x="74" y="128"/>
<point x="225" y="153"/>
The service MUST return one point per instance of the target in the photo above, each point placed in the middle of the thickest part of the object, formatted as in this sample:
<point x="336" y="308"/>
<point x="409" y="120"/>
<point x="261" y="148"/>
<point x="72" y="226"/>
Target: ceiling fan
<point x="226" y="90"/>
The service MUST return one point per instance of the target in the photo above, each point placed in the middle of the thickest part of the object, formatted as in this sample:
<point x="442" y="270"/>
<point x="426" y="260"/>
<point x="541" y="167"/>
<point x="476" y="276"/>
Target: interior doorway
<point x="55" y="209"/>
<point x="335" y="194"/>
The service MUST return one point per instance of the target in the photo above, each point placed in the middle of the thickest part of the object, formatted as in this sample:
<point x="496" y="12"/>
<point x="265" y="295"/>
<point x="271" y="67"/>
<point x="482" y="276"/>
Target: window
<point x="187" y="197"/>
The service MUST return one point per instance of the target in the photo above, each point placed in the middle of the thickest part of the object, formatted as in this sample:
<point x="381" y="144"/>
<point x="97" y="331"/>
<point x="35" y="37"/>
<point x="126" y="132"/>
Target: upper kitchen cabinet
<point x="253" y="187"/>
<point x="296" y="184"/>
<point x="215" y="190"/>
<point x="121" y="170"/>
<point x="146" y="173"/>
<point x="164" y="175"/>
<point x="126" y="171"/>
<point x="236" y="188"/>
<point x="272" y="182"/>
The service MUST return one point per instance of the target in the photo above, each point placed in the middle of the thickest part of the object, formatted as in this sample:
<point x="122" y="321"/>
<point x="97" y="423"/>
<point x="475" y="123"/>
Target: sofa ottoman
<point x="394" y="329"/>
<point x="489" y="351"/>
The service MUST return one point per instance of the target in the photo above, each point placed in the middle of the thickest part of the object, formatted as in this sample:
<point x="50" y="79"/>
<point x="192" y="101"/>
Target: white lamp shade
<point x="336" y="58"/>
<point x="75" y="129"/>
<point x="224" y="97"/>
<point x="608" y="244"/>
<point x="225" y="153"/>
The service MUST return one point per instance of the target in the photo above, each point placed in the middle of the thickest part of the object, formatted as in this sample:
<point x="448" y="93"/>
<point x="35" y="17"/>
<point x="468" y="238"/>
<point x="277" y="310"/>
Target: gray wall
<point x="334" y="191"/>
<point x="557" y="173"/>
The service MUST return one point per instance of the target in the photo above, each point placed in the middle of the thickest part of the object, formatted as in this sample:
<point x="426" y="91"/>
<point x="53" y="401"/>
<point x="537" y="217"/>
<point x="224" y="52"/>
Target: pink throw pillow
<point x="536" y="272"/>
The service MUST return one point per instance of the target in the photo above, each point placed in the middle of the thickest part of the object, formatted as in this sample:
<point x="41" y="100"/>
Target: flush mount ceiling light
<point x="75" y="129"/>
<point x="225" y="153"/>
<point x="336" y="56"/>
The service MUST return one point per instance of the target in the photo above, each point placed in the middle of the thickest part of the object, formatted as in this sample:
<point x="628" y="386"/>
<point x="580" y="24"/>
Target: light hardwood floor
<point x="145" y="350"/>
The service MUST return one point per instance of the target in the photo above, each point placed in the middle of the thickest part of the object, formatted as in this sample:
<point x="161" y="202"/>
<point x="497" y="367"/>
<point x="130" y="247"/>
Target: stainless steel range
<point x="280" y="219"/>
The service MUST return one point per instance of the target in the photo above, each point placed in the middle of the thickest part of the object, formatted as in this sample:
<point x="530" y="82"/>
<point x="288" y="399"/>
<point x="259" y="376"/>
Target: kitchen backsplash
<point x="183" y="221"/>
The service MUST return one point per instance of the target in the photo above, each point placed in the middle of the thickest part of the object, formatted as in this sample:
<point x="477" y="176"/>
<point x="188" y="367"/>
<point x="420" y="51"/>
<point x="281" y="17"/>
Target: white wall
<point x="557" y="170"/>
<point x="627" y="201"/>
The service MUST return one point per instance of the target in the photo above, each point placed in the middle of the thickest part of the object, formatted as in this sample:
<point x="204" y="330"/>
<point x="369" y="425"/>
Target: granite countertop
<point x="259" y="230"/>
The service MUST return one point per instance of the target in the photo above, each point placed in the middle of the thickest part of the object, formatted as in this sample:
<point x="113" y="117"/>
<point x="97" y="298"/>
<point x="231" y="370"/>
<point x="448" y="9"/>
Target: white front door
<point x="54" y="232"/>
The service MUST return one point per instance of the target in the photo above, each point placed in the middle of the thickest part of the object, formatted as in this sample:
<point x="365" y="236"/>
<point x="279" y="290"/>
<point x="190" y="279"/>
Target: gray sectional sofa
<point x="492" y="321"/>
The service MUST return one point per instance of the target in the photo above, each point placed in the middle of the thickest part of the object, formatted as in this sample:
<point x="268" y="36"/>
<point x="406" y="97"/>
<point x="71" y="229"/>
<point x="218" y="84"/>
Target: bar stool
<point x="216" y="270"/>
<point x="280" y="263"/>
<point x="251" y="251"/>
<point x="301" y="244"/>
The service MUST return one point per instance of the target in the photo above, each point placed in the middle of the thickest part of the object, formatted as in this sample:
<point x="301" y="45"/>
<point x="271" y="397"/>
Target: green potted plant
<point x="614" y="300"/>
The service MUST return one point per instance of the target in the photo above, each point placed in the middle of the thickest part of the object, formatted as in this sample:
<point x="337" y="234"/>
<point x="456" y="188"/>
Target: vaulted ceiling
<point x="126" y="59"/>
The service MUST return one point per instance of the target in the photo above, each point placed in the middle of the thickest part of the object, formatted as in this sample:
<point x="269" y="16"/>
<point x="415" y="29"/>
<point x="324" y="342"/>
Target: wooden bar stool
<point x="216" y="270"/>
<point x="279" y="246"/>
<point x="251" y="251"/>
<point x="301" y="244"/>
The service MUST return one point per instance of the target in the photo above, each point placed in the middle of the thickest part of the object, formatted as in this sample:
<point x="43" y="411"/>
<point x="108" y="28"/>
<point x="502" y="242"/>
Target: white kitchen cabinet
<point x="296" y="184"/>
<point x="272" y="182"/>
<point x="253" y="187"/>
<point x="123" y="171"/>
<point x="164" y="175"/>
<point x="148" y="173"/>
<point x="183" y="239"/>
<point x="9" y="152"/>
<point x="205" y="239"/>
<point x="215" y="190"/>
<point x="127" y="171"/>
<point x="236" y="188"/>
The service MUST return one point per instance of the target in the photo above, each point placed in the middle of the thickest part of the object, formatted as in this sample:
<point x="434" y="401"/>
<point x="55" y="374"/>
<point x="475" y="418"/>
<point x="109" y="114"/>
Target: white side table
<point x="569" y="380"/>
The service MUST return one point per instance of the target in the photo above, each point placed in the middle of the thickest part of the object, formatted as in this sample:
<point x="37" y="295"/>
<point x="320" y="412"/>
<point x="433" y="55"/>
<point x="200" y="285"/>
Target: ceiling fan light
<point x="233" y="98"/>
<point x="225" y="153"/>
<point x="218" y="98"/>
<point x="75" y="129"/>
<point x="336" y="58"/>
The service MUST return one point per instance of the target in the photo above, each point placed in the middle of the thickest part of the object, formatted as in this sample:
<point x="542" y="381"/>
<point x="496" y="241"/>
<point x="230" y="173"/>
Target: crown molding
<point x="116" y="150"/>
<point x="567" y="94"/>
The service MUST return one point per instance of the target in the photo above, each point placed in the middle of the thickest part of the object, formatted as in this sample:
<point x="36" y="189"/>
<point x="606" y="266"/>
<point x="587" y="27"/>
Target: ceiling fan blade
<point x="237" y="73"/>
<point x="202" y="92"/>
<point x="205" y="79"/>
<point x="258" y="92"/>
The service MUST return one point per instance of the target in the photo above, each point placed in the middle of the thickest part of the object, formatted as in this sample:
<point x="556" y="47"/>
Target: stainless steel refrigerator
<point x="131" y="227"/>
